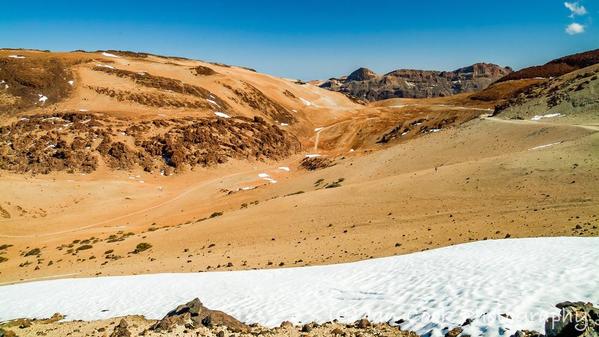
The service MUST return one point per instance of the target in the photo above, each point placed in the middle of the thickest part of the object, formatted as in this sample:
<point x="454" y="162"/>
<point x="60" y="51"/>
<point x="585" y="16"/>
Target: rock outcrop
<point x="576" y="319"/>
<point x="194" y="314"/>
<point x="367" y="85"/>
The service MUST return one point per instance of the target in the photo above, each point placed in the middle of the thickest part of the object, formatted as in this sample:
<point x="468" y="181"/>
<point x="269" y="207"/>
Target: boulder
<point x="121" y="330"/>
<point x="455" y="332"/>
<point x="576" y="319"/>
<point x="195" y="313"/>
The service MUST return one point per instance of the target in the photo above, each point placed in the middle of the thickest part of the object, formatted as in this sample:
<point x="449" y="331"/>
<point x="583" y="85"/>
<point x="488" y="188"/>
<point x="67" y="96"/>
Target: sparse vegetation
<point x="33" y="252"/>
<point x="84" y="247"/>
<point x="215" y="214"/>
<point x="142" y="246"/>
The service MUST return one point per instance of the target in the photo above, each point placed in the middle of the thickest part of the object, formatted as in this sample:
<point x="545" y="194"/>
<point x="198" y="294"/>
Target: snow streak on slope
<point x="523" y="278"/>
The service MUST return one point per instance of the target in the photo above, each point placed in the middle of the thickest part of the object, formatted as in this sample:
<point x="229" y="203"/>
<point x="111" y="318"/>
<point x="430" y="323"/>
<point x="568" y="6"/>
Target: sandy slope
<point x="482" y="180"/>
<point x="467" y="180"/>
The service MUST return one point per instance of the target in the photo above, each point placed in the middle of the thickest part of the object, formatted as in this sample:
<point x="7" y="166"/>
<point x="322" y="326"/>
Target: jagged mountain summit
<point x="409" y="83"/>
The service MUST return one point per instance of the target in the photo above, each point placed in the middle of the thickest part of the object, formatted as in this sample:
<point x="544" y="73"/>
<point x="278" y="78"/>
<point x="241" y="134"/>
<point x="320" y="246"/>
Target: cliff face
<point x="365" y="84"/>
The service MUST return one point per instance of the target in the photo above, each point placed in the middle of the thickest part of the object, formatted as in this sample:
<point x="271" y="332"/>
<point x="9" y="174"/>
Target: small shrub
<point x="3" y="259"/>
<point x="215" y="214"/>
<point x="142" y="246"/>
<point x="33" y="252"/>
<point x="84" y="247"/>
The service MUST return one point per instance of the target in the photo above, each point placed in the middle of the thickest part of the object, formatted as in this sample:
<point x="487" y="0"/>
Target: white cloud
<point x="574" y="28"/>
<point x="575" y="8"/>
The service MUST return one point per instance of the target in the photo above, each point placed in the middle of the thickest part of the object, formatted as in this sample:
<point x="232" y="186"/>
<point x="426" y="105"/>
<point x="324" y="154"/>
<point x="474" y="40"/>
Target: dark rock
<point x="363" y="323"/>
<point x="527" y="333"/>
<point x="366" y="85"/>
<point x="307" y="327"/>
<point x="286" y="324"/>
<point x="121" y="330"/>
<point x="195" y="313"/>
<point x="455" y="332"/>
<point x="576" y="319"/>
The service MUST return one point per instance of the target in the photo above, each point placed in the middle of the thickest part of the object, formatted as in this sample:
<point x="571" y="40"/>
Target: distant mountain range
<point x="367" y="85"/>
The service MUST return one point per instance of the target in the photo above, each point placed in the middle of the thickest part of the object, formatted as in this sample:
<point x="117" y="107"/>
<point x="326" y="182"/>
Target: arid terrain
<point x="117" y="163"/>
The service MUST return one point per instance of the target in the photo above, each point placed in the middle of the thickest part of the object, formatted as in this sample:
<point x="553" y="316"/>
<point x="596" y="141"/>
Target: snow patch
<point x="318" y="129"/>
<point x="42" y="98"/>
<point x="104" y="66"/>
<point x="263" y="175"/>
<point x="222" y="114"/>
<point x="213" y="102"/>
<point x="431" y="290"/>
<point x="109" y="55"/>
<point x="544" y="146"/>
<point x="16" y="56"/>
<point x="312" y="155"/>
<point x="306" y="102"/>
<point x="539" y="117"/>
<point x="284" y="168"/>
<point x="71" y="83"/>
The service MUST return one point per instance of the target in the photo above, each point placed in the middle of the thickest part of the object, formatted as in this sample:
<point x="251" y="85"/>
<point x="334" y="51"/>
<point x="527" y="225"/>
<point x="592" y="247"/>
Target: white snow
<point x="284" y="124"/>
<point x="263" y="175"/>
<point x="109" y="55"/>
<point x="71" y="82"/>
<point x="271" y="180"/>
<point x="212" y="101"/>
<point x="222" y="114"/>
<point x="105" y="66"/>
<point x="83" y="110"/>
<point x="312" y="155"/>
<point x="539" y="117"/>
<point x="16" y="56"/>
<point x="544" y="146"/>
<point x="440" y="288"/>
<point x="42" y="98"/>
<point x="306" y="102"/>
<point x="318" y="129"/>
<point x="284" y="168"/>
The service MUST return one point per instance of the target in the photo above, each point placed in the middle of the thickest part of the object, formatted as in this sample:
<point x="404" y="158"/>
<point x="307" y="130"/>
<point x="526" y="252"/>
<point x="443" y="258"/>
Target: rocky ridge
<point x="408" y="83"/>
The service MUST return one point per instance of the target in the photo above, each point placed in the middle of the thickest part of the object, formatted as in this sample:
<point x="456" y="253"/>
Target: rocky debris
<point x="76" y="142"/>
<point x="575" y="319"/>
<point x="164" y="84"/>
<point x="258" y="101"/>
<point x="315" y="163"/>
<point x="527" y="333"/>
<point x="365" y="84"/>
<point x="196" y="314"/>
<point x="24" y="80"/>
<point x="362" y="323"/>
<point x="557" y="67"/>
<point x="121" y="330"/>
<point x="455" y="332"/>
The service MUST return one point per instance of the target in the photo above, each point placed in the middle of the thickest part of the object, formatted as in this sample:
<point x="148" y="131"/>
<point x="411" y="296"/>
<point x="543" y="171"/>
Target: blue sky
<point x="312" y="39"/>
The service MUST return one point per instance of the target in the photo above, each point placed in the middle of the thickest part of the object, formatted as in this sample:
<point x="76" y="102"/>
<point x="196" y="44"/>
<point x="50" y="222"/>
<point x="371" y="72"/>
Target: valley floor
<point x="486" y="179"/>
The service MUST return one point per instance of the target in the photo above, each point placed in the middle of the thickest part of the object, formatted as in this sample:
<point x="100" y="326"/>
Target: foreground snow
<point x="432" y="290"/>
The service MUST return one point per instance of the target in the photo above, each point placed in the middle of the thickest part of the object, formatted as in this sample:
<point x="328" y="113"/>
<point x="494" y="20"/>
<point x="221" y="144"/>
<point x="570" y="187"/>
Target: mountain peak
<point x="362" y="74"/>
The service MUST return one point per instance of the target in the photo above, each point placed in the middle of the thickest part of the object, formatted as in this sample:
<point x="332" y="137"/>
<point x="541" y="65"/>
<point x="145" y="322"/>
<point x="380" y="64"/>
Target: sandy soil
<point x="475" y="179"/>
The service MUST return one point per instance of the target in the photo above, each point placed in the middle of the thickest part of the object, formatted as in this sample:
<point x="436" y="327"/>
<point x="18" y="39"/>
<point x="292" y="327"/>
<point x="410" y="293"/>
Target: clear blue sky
<point x="310" y="39"/>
